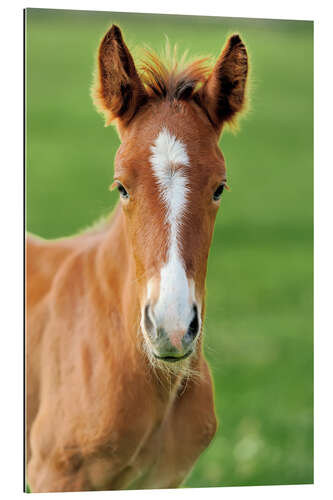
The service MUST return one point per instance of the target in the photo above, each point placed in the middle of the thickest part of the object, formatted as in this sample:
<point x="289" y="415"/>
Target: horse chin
<point x="171" y="366"/>
<point x="173" y="359"/>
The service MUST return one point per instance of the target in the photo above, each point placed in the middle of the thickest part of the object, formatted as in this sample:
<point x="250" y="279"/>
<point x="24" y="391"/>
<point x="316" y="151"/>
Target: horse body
<point x="119" y="394"/>
<point x="103" y="420"/>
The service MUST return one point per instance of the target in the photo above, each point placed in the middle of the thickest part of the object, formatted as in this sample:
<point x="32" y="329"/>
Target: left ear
<point x="223" y="94"/>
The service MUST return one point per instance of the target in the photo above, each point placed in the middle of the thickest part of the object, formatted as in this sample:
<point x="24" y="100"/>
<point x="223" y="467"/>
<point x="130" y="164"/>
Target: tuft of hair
<point x="170" y="77"/>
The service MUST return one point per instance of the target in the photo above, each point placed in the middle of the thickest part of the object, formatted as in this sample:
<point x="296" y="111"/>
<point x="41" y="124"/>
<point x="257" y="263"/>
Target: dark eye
<point x="122" y="191"/>
<point x="218" y="193"/>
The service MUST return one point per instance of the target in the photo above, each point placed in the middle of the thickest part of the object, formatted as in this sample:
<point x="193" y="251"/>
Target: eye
<point x="218" y="193"/>
<point x="122" y="191"/>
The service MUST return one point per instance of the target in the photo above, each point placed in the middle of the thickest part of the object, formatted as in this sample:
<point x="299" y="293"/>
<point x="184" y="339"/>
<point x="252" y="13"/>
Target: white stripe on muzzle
<point x="174" y="307"/>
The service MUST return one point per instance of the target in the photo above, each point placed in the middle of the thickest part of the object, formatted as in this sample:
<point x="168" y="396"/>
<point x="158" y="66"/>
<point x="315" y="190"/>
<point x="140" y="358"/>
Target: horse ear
<point x="223" y="94"/>
<point x="118" y="91"/>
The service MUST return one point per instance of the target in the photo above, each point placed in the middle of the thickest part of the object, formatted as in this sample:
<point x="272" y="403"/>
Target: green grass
<point x="258" y="333"/>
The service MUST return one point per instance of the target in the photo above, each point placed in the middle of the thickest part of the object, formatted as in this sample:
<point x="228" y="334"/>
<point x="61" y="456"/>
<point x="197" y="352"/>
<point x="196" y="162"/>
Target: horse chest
<point x="132" y="457"/>
<point x="153" y="456"/>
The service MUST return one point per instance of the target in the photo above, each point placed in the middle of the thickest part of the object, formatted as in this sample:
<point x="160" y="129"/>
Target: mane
<point x="165" y="76"/>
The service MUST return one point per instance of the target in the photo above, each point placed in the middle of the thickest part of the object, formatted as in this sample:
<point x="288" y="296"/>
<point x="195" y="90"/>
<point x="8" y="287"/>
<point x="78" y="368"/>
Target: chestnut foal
<point x="119" y="394"/>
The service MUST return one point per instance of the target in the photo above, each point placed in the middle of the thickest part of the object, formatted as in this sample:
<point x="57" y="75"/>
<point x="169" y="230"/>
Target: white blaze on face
<point x="174" y="307"/>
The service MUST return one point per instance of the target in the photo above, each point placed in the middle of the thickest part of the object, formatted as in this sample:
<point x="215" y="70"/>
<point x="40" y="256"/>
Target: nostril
<point x="148" y="322"/>
<point x="194" y="325"/>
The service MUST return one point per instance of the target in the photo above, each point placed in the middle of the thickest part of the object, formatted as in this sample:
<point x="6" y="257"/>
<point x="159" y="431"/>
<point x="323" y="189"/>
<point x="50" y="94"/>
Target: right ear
<point x="223" y="94"/>
<point x="118" y="91"/>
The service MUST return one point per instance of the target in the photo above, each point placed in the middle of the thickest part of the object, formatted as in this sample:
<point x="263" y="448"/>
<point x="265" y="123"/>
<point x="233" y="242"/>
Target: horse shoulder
<point x="43" y="260"/>
<point x="88" y="391"/>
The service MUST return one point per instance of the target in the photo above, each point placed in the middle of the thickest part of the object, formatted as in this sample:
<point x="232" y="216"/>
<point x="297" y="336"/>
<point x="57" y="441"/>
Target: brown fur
<point x="100" y="415"/>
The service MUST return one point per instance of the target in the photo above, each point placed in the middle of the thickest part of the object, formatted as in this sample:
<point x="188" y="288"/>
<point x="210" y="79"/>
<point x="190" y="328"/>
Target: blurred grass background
<point x="259" y="322"/>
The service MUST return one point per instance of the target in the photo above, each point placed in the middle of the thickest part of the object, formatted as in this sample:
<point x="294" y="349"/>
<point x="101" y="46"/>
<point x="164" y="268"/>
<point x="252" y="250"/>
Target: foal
<point x="119" y="394"/>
